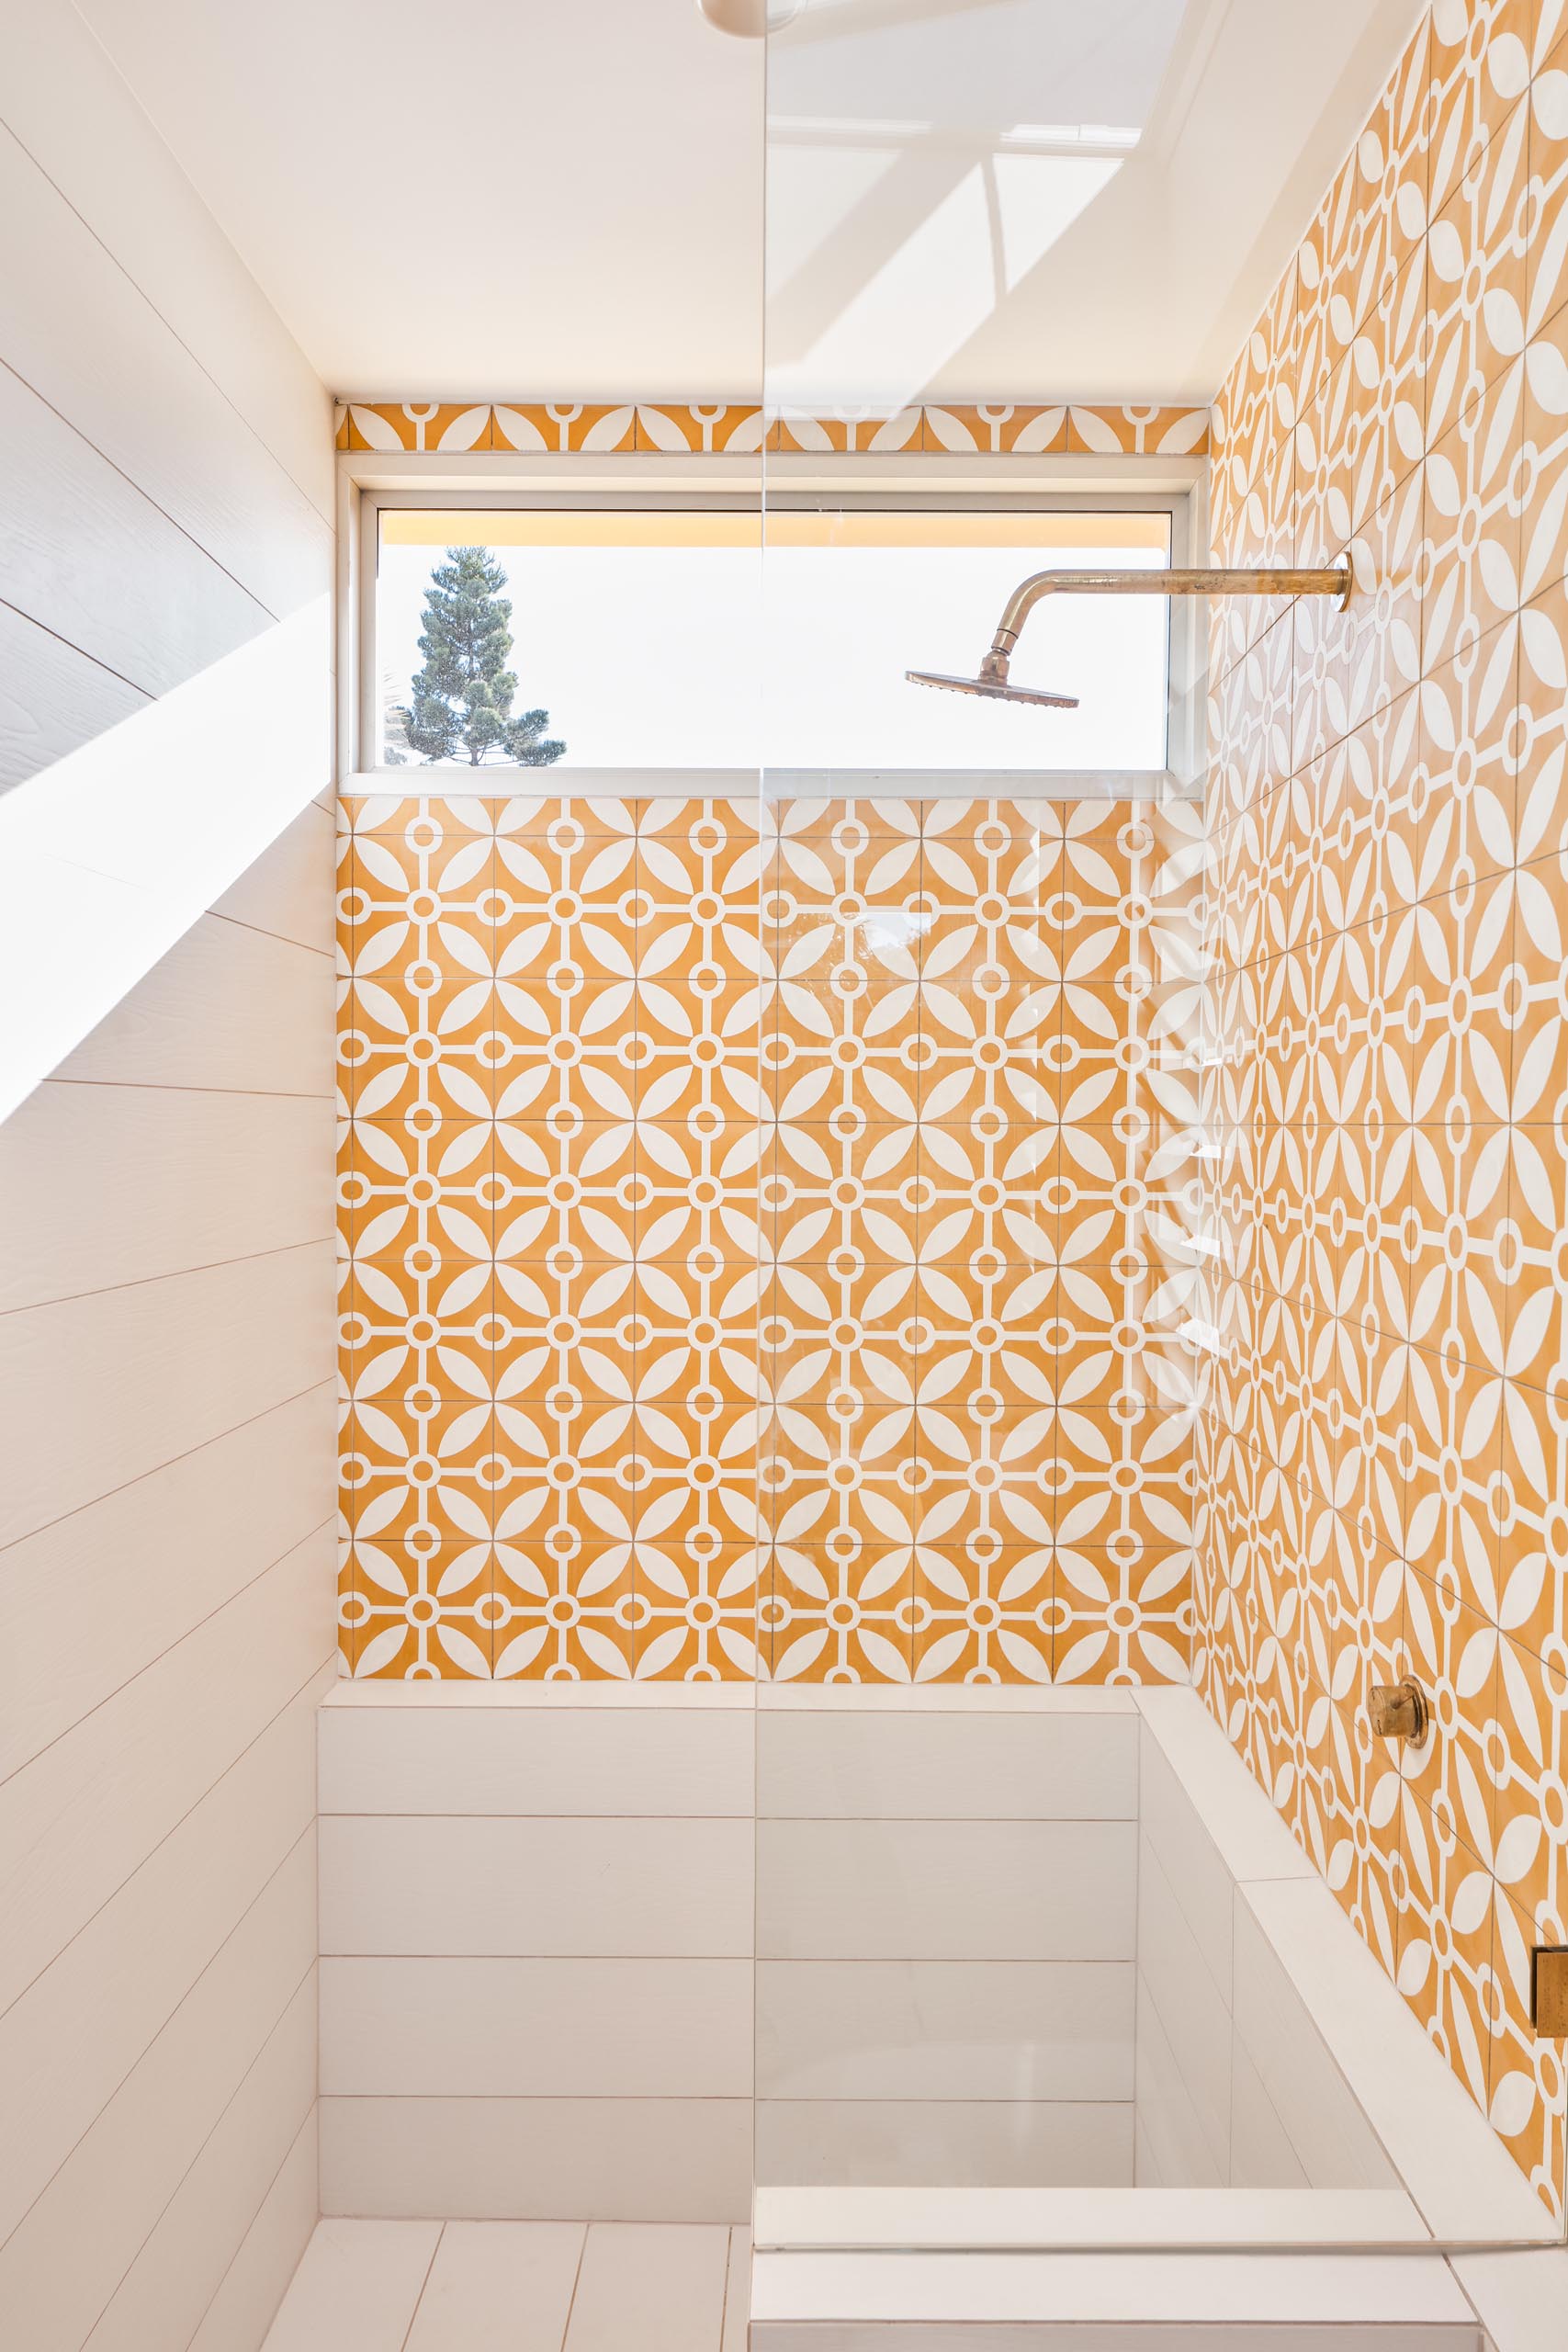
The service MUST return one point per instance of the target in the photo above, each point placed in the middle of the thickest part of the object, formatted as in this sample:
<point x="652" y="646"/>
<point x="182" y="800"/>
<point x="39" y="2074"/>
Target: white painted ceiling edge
<point x="505" y="200"/>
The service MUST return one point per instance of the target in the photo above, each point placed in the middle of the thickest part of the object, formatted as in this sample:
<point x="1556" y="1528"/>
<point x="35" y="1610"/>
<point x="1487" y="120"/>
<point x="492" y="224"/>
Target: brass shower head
<point x="997" y="688"/>
<point x="1336" y="581"/>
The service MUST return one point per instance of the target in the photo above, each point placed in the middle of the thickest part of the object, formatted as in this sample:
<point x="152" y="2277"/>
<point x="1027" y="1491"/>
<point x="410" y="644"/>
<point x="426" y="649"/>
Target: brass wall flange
<point x="1549" y="1990"/>
<point x="1400" y="1710"/>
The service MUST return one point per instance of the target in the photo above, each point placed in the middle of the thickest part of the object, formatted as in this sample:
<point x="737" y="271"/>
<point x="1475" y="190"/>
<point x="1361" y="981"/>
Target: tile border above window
<point x="737" y="429"/>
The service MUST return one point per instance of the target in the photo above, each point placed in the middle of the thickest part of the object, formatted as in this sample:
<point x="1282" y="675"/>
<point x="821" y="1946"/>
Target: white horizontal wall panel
<point x="119" y="581"/>
<point x="268" y="2255"/>
<point x="82" y="2025"/>
<point x="546" y="2160"/>
<point x="68" y="106"/>
<point x="934" y="2030"/>
<point x="536" y="1888"/>
<point x="153" y="1371"/>
<point x="91" y="1600"/>
<point x="520" y="1760"/>
<point x="1001" y="2143"/>
<point x="228" y="1007"/>
<point x="291" y="890"/>
<point x="559" y="2028"/>
<point x="81" y="1817"/>
<point x="182" y="2264"/>
<point x="78" y="2240"/>
<point x="133" y="389"/>
<point x="103" y="1186"/>
<point x="946" y="1890"/>
<point x="936" y="1766"/>
<point x="52" y="698"/>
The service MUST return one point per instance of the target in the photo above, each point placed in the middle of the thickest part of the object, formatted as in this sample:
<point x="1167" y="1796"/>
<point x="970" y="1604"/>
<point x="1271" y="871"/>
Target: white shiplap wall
<point x="165" y="1219"/>
<point x="166" y="564"/>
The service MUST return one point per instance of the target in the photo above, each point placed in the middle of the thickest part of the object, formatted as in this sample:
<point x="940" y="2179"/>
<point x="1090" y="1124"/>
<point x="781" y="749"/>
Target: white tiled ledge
<point x="747" y="1697"/>
<point x="806" y="2220"/>
<point x="842" y="2300"/>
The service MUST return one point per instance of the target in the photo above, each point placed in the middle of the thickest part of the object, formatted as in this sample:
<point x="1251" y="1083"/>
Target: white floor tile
<point x="499" y="2287"/>
<point x="358" y="2284"/>
<point x="659" y="2289"/>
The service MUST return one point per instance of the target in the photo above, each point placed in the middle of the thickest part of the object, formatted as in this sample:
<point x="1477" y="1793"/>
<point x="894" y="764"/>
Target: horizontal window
<point x="600" y="638"/>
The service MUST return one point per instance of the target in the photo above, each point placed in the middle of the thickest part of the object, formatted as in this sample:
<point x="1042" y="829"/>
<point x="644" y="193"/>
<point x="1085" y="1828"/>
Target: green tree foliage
<point x="463" y="695"/>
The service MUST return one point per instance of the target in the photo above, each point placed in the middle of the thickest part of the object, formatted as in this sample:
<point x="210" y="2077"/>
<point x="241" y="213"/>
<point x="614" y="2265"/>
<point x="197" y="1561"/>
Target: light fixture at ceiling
<point x="748" y="19"/>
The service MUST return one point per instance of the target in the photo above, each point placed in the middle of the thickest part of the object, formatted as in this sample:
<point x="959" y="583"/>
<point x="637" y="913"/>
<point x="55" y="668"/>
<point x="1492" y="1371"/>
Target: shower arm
<point x="1255" y="582"/>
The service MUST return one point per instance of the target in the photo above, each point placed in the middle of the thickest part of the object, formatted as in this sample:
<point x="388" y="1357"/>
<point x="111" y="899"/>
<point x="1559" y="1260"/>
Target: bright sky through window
<point x="670" y="639"/>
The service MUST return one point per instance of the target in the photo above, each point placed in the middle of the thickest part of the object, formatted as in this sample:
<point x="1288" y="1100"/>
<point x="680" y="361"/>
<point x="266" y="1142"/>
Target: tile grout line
<point x="423" y="2283"/>
<point x="168" y="1650"/>
<point x="175" y="1273"/>
<point x="153" y="1470"/>
<point x="292" y="1700"/>
<point x="317" y="513"/>
<point x="576" y="2282"/>
<point x="307" y="2123"/>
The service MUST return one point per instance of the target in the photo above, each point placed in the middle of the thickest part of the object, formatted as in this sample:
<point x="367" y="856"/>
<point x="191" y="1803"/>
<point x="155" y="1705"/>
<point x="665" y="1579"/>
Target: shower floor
<point x="516" y="2287"/>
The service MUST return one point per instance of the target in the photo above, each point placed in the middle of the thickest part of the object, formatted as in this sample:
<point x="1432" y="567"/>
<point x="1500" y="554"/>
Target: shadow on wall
<point x="108" y="855"/>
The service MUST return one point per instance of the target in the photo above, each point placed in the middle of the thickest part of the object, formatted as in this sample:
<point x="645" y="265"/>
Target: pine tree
<point x="463" y="695"/>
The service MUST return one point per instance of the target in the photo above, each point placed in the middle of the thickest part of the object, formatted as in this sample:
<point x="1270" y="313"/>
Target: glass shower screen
<point x="1037" y="1961"/>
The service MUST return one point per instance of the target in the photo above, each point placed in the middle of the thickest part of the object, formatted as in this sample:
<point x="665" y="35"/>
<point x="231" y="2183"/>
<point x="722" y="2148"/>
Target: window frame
<point x="371" y="483"/>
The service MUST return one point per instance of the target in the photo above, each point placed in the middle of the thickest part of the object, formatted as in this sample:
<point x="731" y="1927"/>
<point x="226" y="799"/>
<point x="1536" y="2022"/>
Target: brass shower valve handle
<point x="1400" y="1710"/>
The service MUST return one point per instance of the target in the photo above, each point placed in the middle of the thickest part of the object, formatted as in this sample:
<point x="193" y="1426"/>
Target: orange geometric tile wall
<point x="1385" y="1458"/>
<point x="767" y="1239"/>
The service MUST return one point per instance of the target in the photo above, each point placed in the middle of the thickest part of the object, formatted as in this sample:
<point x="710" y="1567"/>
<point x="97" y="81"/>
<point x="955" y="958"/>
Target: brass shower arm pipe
<point x="1259" y="581"/>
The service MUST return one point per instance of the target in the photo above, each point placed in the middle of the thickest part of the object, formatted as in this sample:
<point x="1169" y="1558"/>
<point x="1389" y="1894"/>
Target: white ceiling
<point x="981" y="199"/>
